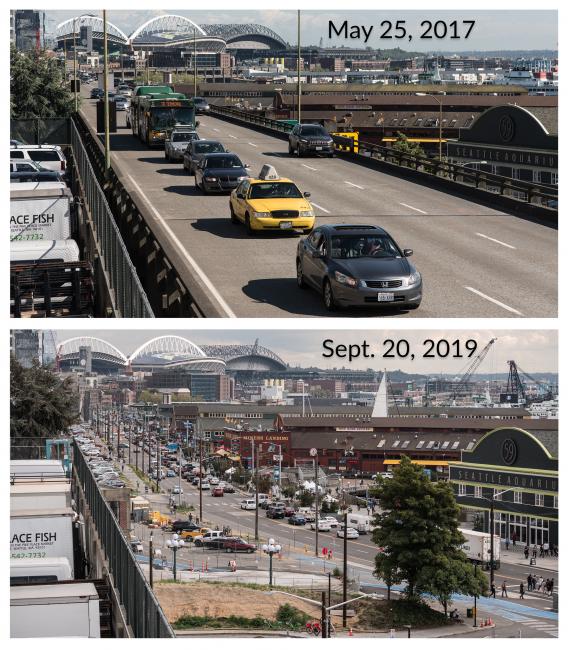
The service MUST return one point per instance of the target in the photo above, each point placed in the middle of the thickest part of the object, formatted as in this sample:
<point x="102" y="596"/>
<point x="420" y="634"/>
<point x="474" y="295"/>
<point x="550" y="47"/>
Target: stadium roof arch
<point x="246" y="36"/>
<point x="66" y="30"/>
<point x="170" y="31"/>
<point x="246" y="357"/>
<point x="105" y="356"/>
<point x="170" y="352"/>
<point x="167" y="345"/>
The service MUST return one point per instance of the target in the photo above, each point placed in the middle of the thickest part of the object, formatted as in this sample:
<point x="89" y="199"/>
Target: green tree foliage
<point x="37" y="86"/>
<point x="149" y="397"/>
<point x="306" y="498"/>
<point x="417" y="531"/>
<point x="404" y="146"/>
<point x="41" y="406"/>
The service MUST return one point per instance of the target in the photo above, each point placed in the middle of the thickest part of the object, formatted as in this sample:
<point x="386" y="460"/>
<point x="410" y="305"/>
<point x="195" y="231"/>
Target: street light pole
<point x="299" y="83"/>
<point x="75" y="64"/>
<point x="475" y="599"/>
<point x="345" y="564"/>
<point x="491" y="547"/>
<point x="105" y="86"/>
<point x="200" y="472"/>
<point x="314" y="455"/>
<point x="194" y="65"/>
<point x="256" y="491"/>
<point x="151" y="560"/>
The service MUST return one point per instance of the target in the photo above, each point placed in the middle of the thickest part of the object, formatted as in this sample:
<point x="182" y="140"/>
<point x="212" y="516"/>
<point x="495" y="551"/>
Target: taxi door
<point x="239" y="200"/>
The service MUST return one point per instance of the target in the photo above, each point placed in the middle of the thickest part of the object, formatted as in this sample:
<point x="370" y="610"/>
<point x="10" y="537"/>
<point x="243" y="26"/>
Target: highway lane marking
<point x="214" y="129"/>
<point x="308" y="167"/>
<point x="232" y="136"/>
<point x="228" y="311"/>
<point x="493" y="300"/>
<point x="496" y="241"/>
<point x="411" y="207"/>
<point x="252" y="144"/>
<point x="353" y="184"/>
<point x="320" y="208"/>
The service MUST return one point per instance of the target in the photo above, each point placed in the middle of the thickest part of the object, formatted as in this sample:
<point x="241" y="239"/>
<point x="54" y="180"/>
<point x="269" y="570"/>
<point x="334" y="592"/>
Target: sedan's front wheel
<point x="328" y="299"/>
<point x="233" y="215"/>
<point x="300" y="275"/>
<point x="248" y="226"/>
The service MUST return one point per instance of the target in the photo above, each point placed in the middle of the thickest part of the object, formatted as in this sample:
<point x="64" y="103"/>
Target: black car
<point x="197" y="149"/>
<point x="358" y="265"/>
<point x="228" y="488"/>
<point x="201" y="105"/>
<point x="219" y="172"/>
<point x="310" y="139"/>
<point x="97" y="93"/>
<point x="276" y="513"/>
<point x="179" y="526"/>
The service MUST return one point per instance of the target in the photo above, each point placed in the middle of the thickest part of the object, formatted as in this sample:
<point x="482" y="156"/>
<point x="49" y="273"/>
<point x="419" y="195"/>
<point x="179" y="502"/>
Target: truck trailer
<point x="477" y="547"/>
<point x="55" y="610"/>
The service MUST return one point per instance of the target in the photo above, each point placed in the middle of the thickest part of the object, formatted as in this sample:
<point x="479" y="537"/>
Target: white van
<point x="361" y="523"/>
<point x="47" y="569"/>
<point x="248" y="504"/>
<point x="262" y="498"/>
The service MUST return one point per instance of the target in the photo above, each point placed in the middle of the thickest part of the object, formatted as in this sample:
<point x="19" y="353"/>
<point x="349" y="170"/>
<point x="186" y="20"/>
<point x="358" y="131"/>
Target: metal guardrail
<point x="143" y="611"/>
<point x="128" y="294"/>
<point x="521" y="191"/>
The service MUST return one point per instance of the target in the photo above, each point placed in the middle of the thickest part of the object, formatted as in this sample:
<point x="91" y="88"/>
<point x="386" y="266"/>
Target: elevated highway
<point x="475" y="261"/>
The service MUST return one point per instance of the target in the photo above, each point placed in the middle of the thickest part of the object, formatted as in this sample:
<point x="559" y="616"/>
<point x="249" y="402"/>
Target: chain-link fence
<point x="143" y="612"/>
<point x="51" y="130"/>
<point x="129" y="296"/>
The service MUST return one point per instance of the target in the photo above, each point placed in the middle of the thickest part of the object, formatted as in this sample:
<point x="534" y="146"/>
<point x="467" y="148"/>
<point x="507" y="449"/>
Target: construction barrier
<point x="346" y="140"/>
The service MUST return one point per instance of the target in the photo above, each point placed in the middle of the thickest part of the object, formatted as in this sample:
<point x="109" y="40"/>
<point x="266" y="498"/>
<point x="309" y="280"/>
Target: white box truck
<point x="46" y="250"/>
<point x="48" y="495"/>
<point x="110" y="81"/>
<point x="47" y="569"/>
<point x="36" y="469"/>
<point x="55" y="610"/>
<point x="362" y="523"/>
<point x="42" y="533"/>
<point x="477" y="547"/>
<point x="40" y="212"/>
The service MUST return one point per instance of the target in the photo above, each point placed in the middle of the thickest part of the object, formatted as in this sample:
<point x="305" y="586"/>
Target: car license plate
<point x="319" y="148"/>
<point x="285" y="225"/>
<point x="385" y="297"/>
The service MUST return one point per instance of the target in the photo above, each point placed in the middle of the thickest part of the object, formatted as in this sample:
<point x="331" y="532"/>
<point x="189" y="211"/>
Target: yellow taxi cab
<point x="271" y="203"/>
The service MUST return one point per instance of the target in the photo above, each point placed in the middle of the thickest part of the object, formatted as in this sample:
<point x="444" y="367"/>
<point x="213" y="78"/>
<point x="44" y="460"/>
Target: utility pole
<point x="345" y="564"/>
<point x="75" y="64"/>
<point x="491" y="549"/>
<point x="314" y="455"/>
<point x="324" y="615"/>
<point x="105" y="82"/>
<point x="256" y="491"/>
<point x="200" y="472"/>
<point x="299" y="90"/>
<point x="151" y="560"/>
<point x="194" y="64"/>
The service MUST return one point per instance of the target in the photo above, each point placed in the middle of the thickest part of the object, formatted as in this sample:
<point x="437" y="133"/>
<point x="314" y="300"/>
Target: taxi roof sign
<point x="268" y="173"/>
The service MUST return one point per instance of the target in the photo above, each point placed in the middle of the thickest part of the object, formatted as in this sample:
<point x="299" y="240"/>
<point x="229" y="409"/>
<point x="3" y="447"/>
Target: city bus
<point x="153" y="116"/>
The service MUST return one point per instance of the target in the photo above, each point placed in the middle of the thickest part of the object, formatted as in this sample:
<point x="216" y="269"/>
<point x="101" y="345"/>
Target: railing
<point x="521" y="191"/>
<point x="128" y="294"/>
<point x="143" y="611"/>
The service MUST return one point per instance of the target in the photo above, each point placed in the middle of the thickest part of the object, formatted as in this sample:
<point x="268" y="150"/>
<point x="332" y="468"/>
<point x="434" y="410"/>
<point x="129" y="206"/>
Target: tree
<point x="403" y="145"/>
<point x="417" y="531"/>
<point x="41" y="406"/>
<point x="306" y="498"/>
<point x="150" y="397"/>
<point x="38" y="87"/>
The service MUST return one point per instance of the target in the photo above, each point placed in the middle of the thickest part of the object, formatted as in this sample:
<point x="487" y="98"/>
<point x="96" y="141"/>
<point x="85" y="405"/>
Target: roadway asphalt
<point x="475" y="261"/>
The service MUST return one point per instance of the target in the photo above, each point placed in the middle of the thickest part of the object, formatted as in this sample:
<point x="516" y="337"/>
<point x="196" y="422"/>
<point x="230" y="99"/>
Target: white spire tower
<point x="380" y="407"/>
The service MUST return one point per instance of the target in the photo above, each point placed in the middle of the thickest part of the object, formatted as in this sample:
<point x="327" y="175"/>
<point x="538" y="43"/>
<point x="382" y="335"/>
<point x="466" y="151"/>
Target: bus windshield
<point x="163" y="118"/>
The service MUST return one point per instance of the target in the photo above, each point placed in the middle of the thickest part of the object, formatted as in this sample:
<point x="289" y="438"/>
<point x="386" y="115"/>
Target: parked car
<point x="136" y="545"/>
<point x="201" y="540"/>
<point x="181" y="525"/>
<point x="236" y="544"/>
<point x="297" y="520"/>
<point x="50" y="157"/>
<point x="357" y="265"/>
<point x="323" y="526"/>
<point x="332" y="521"/>
<point x="190" y="535"/>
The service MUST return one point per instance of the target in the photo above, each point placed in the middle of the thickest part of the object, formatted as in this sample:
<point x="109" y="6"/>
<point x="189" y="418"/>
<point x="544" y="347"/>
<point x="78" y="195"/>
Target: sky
<point x="494" y="30"/>
<point x="533" y="350"/>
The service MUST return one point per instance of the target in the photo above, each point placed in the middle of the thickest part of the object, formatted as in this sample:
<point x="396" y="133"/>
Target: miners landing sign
<point x="506" y="479"/>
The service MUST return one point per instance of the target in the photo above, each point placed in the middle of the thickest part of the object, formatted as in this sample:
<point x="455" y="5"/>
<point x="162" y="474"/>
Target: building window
<point x="462" y="489"/>
<point x="539" y="500"/>
<point x="477" y="492"/>
<point x="555" y="503"/>
<point x="517" y="496"/>
<point x="497" y="495"/>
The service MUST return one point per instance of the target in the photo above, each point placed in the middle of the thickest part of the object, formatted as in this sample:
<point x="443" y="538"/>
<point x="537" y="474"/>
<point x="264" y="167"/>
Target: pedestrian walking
<point x="514" y="538"/>
<point x="493" y="591"/>
<point x="507" y="544"/>
<point x="529" y="582"/>
<point x="539" y="583"/>
<point x="545" y="548"/>
<point x="526" y="552"/>
<point x="522" y="591"/>
<point x="534" y="552"/>
<point x="541" y="550"/>
<point x="550" y="586"/>
<point x="504" y="593"/>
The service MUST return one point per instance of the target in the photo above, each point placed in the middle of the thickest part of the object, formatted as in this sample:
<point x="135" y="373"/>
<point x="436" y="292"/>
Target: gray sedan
<point x="358" y="265"/>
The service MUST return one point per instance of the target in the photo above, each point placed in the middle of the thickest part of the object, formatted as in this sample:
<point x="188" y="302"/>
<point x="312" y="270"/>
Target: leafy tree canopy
<point x="417" y="531"/>
<point x="41" y="406"/>
<point x="37" y="86"/>
<point x="403" y="145"/>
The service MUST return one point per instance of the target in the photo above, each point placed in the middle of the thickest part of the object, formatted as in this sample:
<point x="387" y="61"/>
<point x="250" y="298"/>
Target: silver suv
<point x="177" y="143"/>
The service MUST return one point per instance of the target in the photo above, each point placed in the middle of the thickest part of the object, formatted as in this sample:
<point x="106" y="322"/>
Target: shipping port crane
<point x="474" y="365"/>
<point x="515" y="391"/>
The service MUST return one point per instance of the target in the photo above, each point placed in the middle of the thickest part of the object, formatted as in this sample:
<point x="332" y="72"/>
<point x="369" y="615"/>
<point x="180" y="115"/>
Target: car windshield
<point x="275" y="191"/>
<point x="209" y="147"/>
<point x="353" y="246"/>
<point x="223" y="162"/>
<point x="313" y="130"/>
<point x="181" y="137"/>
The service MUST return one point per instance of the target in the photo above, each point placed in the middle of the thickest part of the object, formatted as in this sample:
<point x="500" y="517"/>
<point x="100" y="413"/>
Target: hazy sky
<point x="494" y="30"/>
<point x="534" y="351"/>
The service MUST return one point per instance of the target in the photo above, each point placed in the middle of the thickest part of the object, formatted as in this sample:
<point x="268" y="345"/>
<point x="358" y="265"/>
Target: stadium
<point x="169" y="34"/>
<point x="164" y="354"/>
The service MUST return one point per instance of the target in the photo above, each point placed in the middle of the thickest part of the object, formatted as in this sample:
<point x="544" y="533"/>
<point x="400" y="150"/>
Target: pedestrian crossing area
<point x="542" y="625"/>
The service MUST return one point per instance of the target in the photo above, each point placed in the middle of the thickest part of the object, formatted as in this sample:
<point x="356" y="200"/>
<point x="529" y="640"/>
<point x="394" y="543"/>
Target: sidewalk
<point x="517" y="557"/>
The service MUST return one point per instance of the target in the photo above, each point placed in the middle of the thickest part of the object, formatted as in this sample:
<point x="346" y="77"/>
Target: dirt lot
<point x="202" y="599"/>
